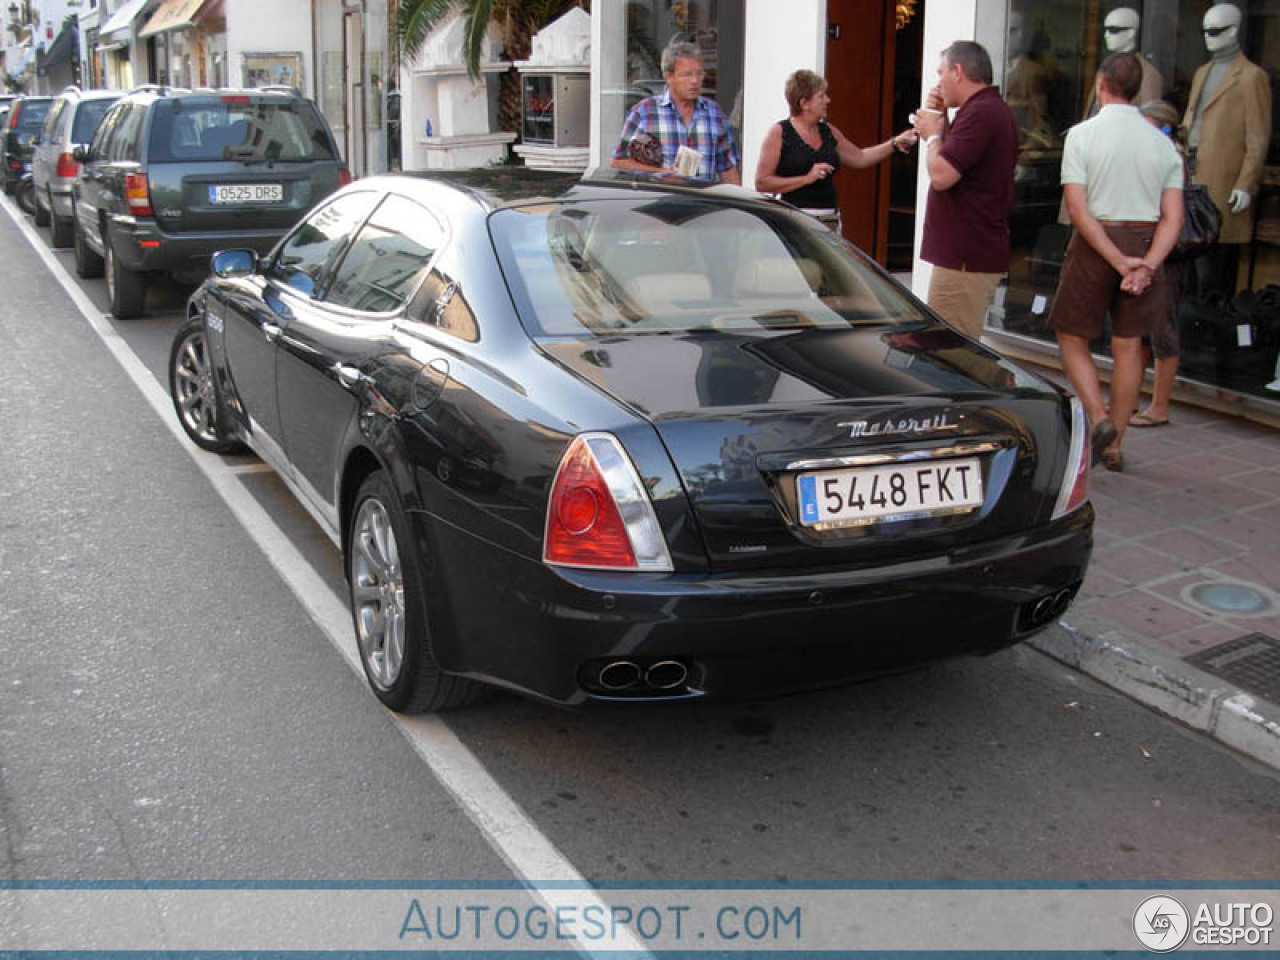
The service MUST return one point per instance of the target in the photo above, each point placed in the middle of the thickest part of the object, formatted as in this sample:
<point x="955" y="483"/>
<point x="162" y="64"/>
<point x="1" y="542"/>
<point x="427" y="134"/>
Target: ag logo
<point x="1161" y="924"/>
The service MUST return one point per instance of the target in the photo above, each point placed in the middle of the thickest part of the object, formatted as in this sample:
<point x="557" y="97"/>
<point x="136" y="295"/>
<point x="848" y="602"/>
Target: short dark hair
<point x="970" y="57"/>
<point x="802" y="85"/>
<point x="1122" y="73"/>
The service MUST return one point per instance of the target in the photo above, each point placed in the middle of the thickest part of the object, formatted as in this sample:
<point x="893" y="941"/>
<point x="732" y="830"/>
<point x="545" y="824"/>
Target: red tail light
<point x="1075" y="479"/>
<point x="344" y="176"/>
<point x="599" y="514"/>
<point x="13" y="116"/>
<point x="138" y="193"/>
<point x="67" y="166"/>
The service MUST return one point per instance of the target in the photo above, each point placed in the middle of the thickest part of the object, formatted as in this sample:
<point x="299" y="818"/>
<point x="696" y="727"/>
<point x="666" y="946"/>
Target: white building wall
<point x="780" y="39"/>
<point x="285" y="29"/>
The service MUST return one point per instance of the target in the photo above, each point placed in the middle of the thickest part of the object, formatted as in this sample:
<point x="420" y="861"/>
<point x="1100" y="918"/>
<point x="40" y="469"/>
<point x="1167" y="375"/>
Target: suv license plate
<point x="246" y="193"/>
<point x="862" y="495"/>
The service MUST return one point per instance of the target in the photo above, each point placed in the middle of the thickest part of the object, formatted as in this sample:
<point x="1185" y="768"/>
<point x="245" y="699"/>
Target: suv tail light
<point x="67" y="166"/>
<point x="138" y="193"/>
<point x="344" y="176"/>
<point x="1075" y="479"/>
<point x="13" y="116"/>
<point x="599" y="514"/>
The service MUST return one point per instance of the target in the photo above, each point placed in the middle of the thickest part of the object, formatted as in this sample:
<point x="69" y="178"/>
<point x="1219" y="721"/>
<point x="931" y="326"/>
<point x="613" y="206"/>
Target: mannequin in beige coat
<point x="1228" y="123"/>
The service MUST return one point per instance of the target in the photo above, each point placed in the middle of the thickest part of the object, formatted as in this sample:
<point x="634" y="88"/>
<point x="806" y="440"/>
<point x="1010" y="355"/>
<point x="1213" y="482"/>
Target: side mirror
<point x="80" y="153"/>
<point x="234" y="263"/>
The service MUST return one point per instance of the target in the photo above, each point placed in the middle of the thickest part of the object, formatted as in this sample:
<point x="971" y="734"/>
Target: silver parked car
<point x="73" y="119"/>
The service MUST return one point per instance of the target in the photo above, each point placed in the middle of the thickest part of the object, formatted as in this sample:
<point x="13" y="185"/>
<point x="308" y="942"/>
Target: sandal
<point x="1103" y="435"/>
<point x="1147" y="420"/>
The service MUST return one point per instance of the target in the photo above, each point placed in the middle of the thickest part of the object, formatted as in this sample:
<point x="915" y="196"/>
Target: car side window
<point x="388" y="258"/>
<point x="49" y="131"/>
<point x="125" y="137"/>
<point x="315" y="245"/>
<point x="102" y="136"/>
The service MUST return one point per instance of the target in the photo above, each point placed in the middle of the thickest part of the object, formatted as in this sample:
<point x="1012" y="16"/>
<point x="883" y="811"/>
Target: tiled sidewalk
<point x="1197" y="507"/>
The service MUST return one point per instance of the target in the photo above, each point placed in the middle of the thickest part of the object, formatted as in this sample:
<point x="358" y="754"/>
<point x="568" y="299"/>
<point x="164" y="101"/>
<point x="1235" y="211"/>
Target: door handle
<point x="349" y="377"/>
<point x="271" y="331"/>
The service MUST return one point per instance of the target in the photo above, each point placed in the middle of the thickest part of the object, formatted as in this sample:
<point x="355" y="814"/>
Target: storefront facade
<point x="1045" y="54"/>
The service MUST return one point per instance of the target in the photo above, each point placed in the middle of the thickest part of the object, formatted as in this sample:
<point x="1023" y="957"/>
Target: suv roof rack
<point x="158" y="88"/>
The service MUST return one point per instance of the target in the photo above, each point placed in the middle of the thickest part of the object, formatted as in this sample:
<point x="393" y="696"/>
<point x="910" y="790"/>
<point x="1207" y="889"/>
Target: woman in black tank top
<point x="801" y="154"/>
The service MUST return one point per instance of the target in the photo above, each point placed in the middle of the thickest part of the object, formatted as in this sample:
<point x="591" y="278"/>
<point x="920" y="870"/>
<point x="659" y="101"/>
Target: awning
<point x="64" y="48"/>
<point x="121" y="20"/>
<point x="172" y="15"/>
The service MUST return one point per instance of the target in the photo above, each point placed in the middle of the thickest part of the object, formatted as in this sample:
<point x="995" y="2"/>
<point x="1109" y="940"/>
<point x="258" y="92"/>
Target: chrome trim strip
<point x="871" y="459"/>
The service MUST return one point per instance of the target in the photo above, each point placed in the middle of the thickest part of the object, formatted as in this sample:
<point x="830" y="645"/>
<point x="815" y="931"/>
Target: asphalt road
<point x="172" y="708"/>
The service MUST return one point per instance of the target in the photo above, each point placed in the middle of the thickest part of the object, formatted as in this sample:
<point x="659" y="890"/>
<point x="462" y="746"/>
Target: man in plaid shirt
<point x="681" y="117"/>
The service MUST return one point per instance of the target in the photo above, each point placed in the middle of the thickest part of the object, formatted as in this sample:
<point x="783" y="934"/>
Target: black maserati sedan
<point x="622" y="437"/>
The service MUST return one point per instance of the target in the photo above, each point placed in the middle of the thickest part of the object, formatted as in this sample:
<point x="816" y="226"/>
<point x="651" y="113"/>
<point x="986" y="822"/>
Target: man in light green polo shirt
<point x="1122" y="181"/>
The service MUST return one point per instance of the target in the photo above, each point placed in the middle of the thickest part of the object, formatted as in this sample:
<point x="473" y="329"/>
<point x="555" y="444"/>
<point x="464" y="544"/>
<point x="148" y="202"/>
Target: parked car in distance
<point x="626" y="439"/>
<point x="72" y="121"/>
<point x="26" y="115"/>
<point x="173" y="175"/>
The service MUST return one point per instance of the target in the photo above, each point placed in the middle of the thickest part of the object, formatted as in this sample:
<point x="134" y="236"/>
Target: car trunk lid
<point x="980" y="443"/>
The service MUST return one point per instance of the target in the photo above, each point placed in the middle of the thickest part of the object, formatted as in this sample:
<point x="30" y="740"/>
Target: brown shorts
<point x="1090" y="289"/>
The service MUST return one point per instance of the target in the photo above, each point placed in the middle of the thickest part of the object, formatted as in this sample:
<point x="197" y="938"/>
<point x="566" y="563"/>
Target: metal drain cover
<point x="1251" y="662"/>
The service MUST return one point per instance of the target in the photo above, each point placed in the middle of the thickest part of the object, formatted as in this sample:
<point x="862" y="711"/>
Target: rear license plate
<point x="861" y="495"/>
<point x="246" y="193"/>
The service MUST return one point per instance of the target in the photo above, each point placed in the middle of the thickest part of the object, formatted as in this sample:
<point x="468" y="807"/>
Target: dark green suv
<point x="26" y="116"/>
<point x="173" y="176"/>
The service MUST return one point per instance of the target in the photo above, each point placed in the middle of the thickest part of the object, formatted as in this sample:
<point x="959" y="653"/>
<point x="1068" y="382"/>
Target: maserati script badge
<point x="861" y="428"/>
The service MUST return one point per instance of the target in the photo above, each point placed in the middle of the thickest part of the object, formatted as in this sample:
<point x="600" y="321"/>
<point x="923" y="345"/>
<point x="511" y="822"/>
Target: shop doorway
<point x="874" y="65"/>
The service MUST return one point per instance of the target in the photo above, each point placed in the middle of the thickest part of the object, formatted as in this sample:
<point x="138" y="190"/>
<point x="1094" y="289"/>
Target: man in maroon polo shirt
<point x="970" y="163"/>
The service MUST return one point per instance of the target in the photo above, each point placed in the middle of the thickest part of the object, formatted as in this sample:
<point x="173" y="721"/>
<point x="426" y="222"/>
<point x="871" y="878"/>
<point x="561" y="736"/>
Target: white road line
<point x="530" y="855"/>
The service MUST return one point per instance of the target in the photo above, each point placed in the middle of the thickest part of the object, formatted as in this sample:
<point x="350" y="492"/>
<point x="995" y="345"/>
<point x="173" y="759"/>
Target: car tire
<point x="388" y="608"/>
<point x="194" y="392"/>
<point x="40" y="214"/>
<point x="126" y="289"/>
<point x="61" y="229"/>
<point x="88" y="263"/>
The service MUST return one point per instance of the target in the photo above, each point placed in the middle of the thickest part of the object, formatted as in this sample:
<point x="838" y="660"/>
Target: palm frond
<point x="477" y="14"/>
<point x="415" y="19"/>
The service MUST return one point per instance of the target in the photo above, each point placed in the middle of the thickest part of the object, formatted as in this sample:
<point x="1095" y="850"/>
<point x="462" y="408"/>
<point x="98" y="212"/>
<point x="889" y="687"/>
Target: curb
<point x="1171" y="686"/>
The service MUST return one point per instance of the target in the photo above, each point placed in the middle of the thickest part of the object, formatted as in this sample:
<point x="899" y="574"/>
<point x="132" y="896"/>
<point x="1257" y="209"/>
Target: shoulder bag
<point x="1201" y="222"/>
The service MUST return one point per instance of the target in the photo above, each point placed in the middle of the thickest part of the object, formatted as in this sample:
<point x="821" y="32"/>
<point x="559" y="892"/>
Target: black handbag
<point x="644" y="148"/>
<point x="1201" y="222"/>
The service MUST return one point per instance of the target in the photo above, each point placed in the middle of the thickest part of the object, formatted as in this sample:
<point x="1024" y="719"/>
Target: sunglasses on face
<point x="1115" y="30"/>
<point x="1215" y="31"/>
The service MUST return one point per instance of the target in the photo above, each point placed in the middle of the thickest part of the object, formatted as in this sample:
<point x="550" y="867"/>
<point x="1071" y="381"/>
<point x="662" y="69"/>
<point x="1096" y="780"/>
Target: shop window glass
<point x="1229" y="305"/>
<point x="647" y="27"/>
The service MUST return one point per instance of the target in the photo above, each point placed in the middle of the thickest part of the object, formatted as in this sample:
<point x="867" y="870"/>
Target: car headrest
<point x="656" y="292"/>
<point x="769" y="277"/>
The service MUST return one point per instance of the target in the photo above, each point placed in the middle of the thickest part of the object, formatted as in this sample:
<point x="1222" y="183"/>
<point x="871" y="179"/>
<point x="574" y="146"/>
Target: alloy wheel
<point x="377" y="594"/>
<point x="193" y="388"/>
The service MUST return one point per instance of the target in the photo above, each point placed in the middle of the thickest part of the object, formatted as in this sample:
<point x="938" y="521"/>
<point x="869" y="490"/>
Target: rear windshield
<point x="32" y="113"/>
<point x="87" y="119"/>
<point x="679" y="264"/>
<point x="238" y="129"/>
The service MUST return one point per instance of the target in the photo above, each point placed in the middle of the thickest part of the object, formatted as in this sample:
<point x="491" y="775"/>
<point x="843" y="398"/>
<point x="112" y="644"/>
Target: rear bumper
<point x="141" y="245"/>
<point x="547" y="632"/>
<point x="63" y="201"/>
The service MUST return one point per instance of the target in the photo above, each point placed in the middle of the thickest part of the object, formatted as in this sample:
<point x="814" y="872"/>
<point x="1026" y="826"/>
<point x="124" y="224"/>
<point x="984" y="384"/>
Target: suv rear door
<point x="237" y="162"/>
<point x="112" y="156"/>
